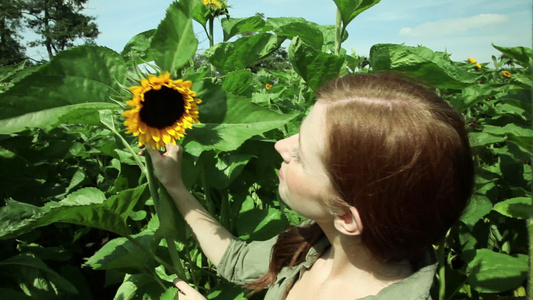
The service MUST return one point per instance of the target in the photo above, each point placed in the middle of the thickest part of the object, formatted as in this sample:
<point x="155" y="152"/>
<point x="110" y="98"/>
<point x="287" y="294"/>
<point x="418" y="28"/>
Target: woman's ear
<point x="349" y="222"/>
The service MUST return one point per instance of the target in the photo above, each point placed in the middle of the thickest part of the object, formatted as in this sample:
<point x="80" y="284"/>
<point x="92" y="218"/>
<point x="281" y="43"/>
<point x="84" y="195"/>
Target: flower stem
<point x="442" y="266"/>
<point x="338" y="33"/>
<point x="174" y="256"/>
<point x="210" y="35"/>
<point x="154" y="186"/>
<point x="149" y="252"/>
<point x="530" y="229"/>
<point x="126" y="145"/>
<point x="442" y="271"/>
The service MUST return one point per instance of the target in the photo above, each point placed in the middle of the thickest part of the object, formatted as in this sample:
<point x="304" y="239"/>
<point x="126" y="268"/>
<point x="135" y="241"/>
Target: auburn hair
<point x="398" y="153"/>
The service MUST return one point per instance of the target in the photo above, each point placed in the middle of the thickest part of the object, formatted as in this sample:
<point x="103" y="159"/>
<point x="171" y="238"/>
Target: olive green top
<point x="245" y="262"/>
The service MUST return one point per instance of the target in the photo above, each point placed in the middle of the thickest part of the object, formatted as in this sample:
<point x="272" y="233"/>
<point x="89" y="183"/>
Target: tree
<point x="59" y="23"/>
<point x="11" y="50"/>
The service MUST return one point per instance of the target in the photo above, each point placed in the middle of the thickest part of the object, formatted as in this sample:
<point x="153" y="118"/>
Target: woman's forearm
<point x="212" y="237"/>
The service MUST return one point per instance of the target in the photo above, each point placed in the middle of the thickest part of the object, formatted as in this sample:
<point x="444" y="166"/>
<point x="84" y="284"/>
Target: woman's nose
<point x="284" y="147"/>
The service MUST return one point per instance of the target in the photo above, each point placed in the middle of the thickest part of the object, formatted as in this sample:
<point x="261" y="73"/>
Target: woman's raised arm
<point x="211" y="236"/>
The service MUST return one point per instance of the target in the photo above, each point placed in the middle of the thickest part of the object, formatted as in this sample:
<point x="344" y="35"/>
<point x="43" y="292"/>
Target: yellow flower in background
<point x="163" y="110"/>
<point x="268" y="86"/>
<point x="216" y="3"/>
<point x="478" y="66"/>
<point x="471" y="60"/>
<point x="506" y="74"/>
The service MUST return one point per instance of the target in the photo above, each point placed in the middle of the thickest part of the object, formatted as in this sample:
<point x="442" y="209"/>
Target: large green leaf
<point x="522" y="55"/>
<point x="199" y="11"/>
<point x="140" y="286"/>
<point x="421" y="62"/>
<point x="308" y="32"/>
<point x="259" y="224"/>
<point x="11" y="294"/>
<point x="232" y="27"/>
<point x="79" y="75"/>
<point x="349" y="9"/>
<point x="7" y="72"/>
<point x="226" y="291"/>
<point x="138" y="46"/>
<point x="122" y="254"/>
<point x="491" y="272"/>
<point x="174" y="42"/>
<point x="222" y="170"/>
<point x="36" y="277"/>
<point x="230" y="56"/>
<point x="238" y="82"/>
<point x="228" y="120"/>
<point x="519" y="208"/>
<point x="284" y="26"/>
<point x="316" y="68"/>
<point x="83" y="113"/>
<point x="87" y="207"/>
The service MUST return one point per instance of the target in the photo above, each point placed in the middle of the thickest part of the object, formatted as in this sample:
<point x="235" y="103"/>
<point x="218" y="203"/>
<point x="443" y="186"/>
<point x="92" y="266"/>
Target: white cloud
<point x="451" y="26"/>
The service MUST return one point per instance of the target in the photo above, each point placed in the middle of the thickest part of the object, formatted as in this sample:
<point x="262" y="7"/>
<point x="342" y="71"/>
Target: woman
<point x="382" y="168"/>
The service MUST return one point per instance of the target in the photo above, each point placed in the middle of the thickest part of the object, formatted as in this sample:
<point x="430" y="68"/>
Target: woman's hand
<point x="167" y="165"/>
<point x="186" y="292"/>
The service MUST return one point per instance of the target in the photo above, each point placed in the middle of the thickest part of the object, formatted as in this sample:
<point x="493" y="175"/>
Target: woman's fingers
<point x="186" y="292"/>
<point x="172" y="149"/>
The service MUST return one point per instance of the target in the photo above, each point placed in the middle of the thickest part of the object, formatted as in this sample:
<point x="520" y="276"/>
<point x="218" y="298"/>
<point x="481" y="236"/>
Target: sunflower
<point x="163" y="110"/>
<point x="216" y="3"/>
<point x="506" y="74"/>
<point x="471" y="60"/>
<point x="268" y="86"/>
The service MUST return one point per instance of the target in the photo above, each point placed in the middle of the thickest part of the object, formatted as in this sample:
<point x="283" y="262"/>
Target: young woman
<point x="382" y="169"/>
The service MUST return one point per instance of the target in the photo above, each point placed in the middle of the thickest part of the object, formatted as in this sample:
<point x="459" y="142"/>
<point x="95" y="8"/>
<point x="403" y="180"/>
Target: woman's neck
<point x="348" y="258"/>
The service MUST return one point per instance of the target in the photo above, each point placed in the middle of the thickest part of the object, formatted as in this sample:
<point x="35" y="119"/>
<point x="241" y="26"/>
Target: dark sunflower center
<point x="162" y="108"/>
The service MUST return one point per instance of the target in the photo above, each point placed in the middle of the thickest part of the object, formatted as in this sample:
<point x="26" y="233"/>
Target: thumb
<point x="154" y="154"/>
<point x="184" y="287"/>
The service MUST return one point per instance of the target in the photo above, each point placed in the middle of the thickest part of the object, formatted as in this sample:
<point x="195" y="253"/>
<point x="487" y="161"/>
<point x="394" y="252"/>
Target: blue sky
<point x="462" y="27"/>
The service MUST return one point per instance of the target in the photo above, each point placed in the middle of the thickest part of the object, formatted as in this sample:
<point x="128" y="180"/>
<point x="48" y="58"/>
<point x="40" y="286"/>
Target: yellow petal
<point x="166" y="138"/>
<point x="145" y="83"/>
<point x="143" y="127"/>
<point x="136" y="89"/>
<point x="171" y="131"/>
<point x="165" y="77"/>
<point x="154" y="132"/>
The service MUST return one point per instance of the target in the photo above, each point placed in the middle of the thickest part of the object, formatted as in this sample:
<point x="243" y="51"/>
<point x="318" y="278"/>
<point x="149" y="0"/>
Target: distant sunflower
<point x="506" y="74"/>
<point x="268" y="86"/>
<point x="163" y="110"/>
<point x="216" y="3"/>
<point x="471" y="60"/>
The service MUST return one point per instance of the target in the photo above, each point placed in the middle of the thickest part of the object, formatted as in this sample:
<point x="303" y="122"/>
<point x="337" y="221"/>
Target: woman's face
<point x="303" y="179"/>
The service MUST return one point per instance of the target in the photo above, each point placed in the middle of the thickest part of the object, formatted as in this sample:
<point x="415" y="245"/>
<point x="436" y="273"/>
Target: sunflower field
<point x="82" y="216"/>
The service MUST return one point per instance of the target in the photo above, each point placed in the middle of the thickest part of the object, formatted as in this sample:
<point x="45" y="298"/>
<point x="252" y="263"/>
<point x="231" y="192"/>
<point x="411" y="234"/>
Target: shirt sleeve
<point x="244" y="262"/>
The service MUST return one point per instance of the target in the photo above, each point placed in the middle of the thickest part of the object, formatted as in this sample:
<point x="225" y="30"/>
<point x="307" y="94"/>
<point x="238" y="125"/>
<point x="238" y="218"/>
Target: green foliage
<point x="174" y="44"/>
<point x="59" y="24"/>
<point x="349" y="9"/>
<point x="79" y="220"/>
<point x="11" y="50"/>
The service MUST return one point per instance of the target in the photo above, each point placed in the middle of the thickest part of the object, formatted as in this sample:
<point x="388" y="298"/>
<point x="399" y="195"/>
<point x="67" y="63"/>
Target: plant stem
<point x="153" y="184"/>
<point x="338" y="33"/>
<point x="174" y="256"/>
<point x="211" y="42"/>
<point x="149" y="252"/>
<point x="442" y="270"/>
<point x="127" y="146"/>
<point x="530" y="229"/>
<point x="442" y="266"/>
